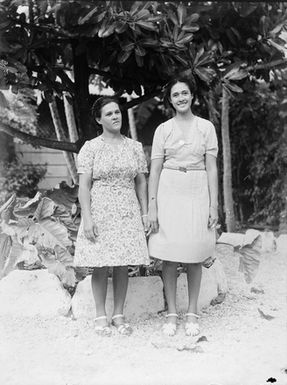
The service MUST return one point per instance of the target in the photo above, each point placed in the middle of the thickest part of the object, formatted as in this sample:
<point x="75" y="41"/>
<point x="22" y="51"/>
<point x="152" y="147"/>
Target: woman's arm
<point x="141" y="191"/>
<point x="85" y="184"/>
<point x="155" y="171"/>
<point x="212" y="176"/>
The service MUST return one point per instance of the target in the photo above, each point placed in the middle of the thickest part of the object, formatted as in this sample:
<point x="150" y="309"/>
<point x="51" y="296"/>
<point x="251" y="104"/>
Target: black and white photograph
<point x="143" y="192"/>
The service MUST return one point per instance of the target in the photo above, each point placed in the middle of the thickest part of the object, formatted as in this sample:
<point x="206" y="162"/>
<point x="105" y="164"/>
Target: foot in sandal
<point x="169" y="328"/>
<point x="191" y="325"/>
<point x="124" y="328"/>
<point x="102" y="327"/>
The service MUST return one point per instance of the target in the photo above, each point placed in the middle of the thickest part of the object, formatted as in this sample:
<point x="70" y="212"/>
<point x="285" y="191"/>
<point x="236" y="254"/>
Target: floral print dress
<point x="114" y="205"/>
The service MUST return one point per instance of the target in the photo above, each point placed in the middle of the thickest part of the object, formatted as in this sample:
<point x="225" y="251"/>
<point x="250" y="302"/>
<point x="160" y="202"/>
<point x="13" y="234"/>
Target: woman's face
<point x="111" y="118"/>
<point x="181" y="97"/>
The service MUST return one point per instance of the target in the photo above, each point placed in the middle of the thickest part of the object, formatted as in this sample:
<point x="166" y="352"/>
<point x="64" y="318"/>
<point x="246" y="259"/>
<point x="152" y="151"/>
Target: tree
<point x="136" y="47"/>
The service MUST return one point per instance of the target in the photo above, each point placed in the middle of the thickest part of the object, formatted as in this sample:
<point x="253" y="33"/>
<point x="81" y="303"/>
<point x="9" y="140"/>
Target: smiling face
<point x="111" y="118"/>
<point x="181" y="97"/>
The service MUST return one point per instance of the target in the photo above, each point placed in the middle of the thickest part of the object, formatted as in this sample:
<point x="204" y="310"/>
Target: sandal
<point x="192" y="328"/>
<point x="123" y="328"/>
<point x="103" y="330"/>
<point x="208" y="262"/>
<point x="169" y="328"/>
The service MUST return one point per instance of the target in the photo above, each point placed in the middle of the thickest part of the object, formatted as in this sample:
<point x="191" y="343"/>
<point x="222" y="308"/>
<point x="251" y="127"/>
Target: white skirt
<point x="183" y="211"/>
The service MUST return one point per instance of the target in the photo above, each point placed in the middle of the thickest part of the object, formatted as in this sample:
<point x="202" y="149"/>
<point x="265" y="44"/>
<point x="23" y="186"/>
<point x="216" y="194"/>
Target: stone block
<point x="281" y="243"/>
<point x="144" y="297"/>
<point x="31" y="293"/>
<point x="213" y="282"/>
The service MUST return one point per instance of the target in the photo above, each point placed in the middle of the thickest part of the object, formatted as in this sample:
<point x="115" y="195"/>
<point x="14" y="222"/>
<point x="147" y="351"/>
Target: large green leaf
<point x="64" y="195"/>
<point x="45" y="209"/>
<point x="142" y="14"/>
<point x="15" y="254"/>
<point x="88" y="16"/>
<point x="235" y="72"/>
<point x="184" y="40"/>
<point x="250" y="259"/>
<point x="27" y="209"/>
<point x="6" y="210"/>
<point x="205" y="74"/>
<point x="123" y="56"/>
<point x="181" y="13"/>
<point x="5" y="247"/>
<point x="147" y="25"/>
<point x="55" y="266"/>
<point x="49" y="233"/>
<point x="245" y="8"/>
<point x="232" y="87"/>
<point x="63" y="256"/>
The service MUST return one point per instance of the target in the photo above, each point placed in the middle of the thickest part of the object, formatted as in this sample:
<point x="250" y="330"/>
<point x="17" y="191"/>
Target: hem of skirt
<point x="198" y="260"/>
<point x="104" y="265"/>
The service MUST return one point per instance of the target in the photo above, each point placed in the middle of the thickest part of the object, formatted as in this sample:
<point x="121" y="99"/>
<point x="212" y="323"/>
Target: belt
<point x="184" y="169"/>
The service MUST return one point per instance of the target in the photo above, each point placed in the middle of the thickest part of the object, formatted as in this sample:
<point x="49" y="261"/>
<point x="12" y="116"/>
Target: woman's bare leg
<point x="99" y="288"/>
<point x="194" y="272"/>
<point x="169" y="275"/>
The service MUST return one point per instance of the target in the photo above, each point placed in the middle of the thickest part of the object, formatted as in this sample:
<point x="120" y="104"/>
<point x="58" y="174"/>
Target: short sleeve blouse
<point x="169" y="144"/>
<point x="92" y="157"/>
<point x="85" y="159"/>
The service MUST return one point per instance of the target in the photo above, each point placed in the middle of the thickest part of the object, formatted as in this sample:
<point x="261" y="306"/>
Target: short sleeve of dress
<point x="211" y="141"/>
<point x="141" y="159"/>
<point x="85" y="158"/>
<point x="157" y="151"/>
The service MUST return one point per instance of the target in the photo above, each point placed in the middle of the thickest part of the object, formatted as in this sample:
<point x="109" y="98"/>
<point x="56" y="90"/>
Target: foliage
<point x="258" y="152"/>
<point x="39" y="233"/>
<point x="135" y="46"/>
<point x="21" y="179"/>
<point x="19" y="110"/>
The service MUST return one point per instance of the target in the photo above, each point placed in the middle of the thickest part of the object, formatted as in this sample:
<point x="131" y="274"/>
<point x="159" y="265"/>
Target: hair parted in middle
<point x="100" y="103"/>
<point x="189" y="81"/>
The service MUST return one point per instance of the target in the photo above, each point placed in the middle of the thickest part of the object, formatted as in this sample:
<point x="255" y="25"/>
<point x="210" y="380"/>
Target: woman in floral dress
<point x="113" y="198"/>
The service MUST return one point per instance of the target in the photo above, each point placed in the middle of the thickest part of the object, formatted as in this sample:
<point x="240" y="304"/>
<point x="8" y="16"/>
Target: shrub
<point x="21" y="179"/>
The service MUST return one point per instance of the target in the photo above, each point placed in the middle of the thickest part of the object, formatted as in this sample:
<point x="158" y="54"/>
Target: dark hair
<point x="100" y="103"/>
<point x="189" y="81"/>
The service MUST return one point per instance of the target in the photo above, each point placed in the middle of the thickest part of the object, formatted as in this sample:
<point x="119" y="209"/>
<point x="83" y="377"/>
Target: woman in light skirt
<point x="183" y="199"/>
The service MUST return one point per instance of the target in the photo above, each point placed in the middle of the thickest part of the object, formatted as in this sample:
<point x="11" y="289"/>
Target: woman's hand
<point x="152" y="220"/>
<point x="145" y="223"/>
<point x="213" y="217"/>
<point x="90" y="230"/>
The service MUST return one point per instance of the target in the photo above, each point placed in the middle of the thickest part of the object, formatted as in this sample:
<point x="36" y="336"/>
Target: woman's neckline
<point x="113" y="144"/>
<point x="190" y="120"/>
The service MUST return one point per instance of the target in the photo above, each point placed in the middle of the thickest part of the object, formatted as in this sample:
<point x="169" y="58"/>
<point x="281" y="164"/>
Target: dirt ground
<point x="245" y="342"/>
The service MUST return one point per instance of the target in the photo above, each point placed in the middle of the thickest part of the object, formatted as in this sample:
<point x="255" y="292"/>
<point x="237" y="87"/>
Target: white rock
<point x="145" y="294"/>
<point x="30" y="293"/>
<point x="268" y="240"/>
<point x="144" y="297"/>
<point x="213" y="282"/>
<point x="267" y="237"/>
<point x="281" y="242"/>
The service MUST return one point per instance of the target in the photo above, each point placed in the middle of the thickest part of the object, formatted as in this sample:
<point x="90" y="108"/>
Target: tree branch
<point x="260" y="66"/>
<point x="43" y="142"/>
<point x="141" y="99"/>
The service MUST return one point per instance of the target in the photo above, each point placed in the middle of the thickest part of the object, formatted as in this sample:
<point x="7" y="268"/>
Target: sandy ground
<point x="241" y="346"/>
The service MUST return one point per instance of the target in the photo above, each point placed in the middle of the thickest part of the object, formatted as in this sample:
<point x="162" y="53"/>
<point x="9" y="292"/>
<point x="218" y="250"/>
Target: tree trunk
<point x="214" y="118"/>
<point x="227" y="169"/>
<point x="132" y="123"/>
<point x="71" y="122"/>
<point x="82" y="102"/>
<point x="283" y="214"/>
<point x="61" y="136"/>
